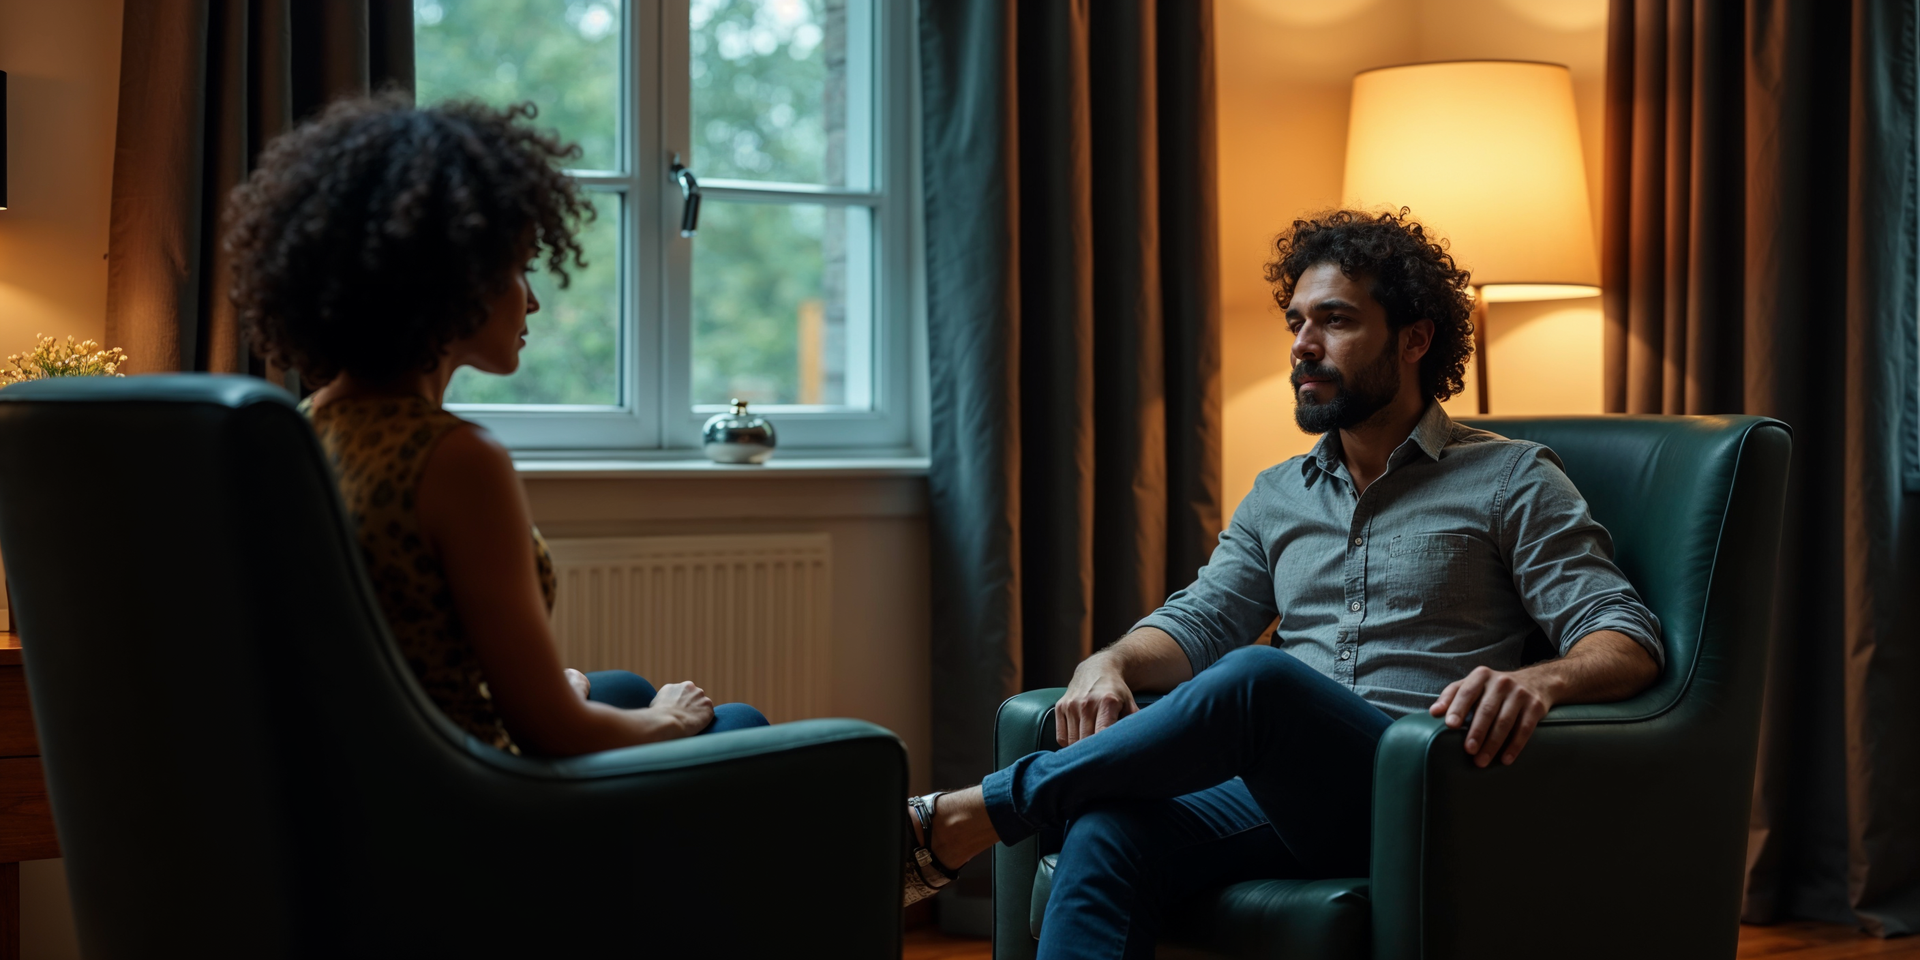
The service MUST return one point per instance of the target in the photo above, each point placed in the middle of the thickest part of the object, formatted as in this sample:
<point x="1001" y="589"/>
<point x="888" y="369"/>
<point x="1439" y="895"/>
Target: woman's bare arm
<point x="474" y="515"/>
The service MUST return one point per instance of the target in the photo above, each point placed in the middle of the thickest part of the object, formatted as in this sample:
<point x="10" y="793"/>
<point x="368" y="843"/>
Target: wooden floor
<point x="1785" y="941"/>
<point x="1806" y="940"/>
<point x="928" y="944"/>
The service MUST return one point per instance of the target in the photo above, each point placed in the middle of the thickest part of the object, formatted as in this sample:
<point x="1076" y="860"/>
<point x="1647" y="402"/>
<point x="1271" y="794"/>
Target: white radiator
<point x="745" y="617"/>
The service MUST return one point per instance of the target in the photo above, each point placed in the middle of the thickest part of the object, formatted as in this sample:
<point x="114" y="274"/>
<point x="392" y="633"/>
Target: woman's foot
<point x="948" y="829"/>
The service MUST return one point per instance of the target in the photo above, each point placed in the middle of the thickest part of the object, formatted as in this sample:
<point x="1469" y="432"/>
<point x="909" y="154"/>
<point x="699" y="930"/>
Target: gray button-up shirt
<point x="1466" y="546"/>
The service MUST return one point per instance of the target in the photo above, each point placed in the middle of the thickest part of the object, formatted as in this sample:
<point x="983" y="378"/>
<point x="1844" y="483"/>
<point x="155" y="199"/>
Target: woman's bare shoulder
<point x="470" y="445"/>
<point x="469" y="474"/>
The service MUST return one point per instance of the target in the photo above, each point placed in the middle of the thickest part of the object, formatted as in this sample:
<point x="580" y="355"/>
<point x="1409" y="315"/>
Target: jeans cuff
<point x="997" y="790"/>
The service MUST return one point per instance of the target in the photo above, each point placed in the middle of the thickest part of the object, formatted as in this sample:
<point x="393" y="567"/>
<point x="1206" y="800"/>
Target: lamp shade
<point x="1487" y="154"/>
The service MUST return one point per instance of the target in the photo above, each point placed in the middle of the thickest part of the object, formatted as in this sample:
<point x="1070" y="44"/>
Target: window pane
<point x="573" y="342"/>
<point x="769" y="80"/>
<point x="564" y="55"/>
<point x="775" y="316"/>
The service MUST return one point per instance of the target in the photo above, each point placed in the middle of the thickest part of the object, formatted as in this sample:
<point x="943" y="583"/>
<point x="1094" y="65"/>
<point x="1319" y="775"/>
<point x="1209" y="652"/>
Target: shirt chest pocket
<point x="1429" y="573"/>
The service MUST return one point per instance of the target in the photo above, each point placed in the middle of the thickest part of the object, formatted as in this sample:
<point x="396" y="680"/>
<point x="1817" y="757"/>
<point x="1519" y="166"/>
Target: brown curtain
<point x="1073" y="317"/>
<point x="204" y="84"/>
<point x="1760" y="258"/>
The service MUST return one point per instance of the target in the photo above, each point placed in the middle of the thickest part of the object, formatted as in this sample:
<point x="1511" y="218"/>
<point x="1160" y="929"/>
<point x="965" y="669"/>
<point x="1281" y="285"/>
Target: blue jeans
<point x="1258" y="767"/>
<point x="628" y="691"/>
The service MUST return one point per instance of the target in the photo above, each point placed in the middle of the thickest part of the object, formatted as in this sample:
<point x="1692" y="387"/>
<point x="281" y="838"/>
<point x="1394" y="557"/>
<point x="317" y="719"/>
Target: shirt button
<point x="1357" y="541"/>
<point x="1354" y="606"/>
<point x="1344" y="654"/>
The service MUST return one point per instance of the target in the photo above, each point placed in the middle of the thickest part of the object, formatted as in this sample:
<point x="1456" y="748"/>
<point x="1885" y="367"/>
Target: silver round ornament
<point x="738" y="437"/>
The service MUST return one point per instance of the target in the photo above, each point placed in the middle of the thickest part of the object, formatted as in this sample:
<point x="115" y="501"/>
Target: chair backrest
<point x="1693" y="504"/>
<point x="155" y="529"/>
<point x="1643" y="803"/>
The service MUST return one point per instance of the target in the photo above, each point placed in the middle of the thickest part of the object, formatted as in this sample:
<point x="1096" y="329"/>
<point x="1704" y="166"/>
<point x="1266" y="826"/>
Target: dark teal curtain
<point x="204" y="84"/>
<point x="1073" y="320"/>
<point x="1760" y="258"/>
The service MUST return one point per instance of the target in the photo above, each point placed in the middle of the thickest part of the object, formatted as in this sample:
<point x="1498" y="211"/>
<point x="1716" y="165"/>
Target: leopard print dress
<point x="378" y="448"/>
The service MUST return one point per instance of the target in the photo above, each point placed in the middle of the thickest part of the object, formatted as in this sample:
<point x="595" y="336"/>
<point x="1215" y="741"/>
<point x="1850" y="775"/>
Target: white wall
<point x="1284" y="69"/>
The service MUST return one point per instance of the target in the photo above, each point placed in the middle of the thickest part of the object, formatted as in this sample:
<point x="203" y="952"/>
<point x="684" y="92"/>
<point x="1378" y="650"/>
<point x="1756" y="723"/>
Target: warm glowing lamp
<point x="1487" y="154"/>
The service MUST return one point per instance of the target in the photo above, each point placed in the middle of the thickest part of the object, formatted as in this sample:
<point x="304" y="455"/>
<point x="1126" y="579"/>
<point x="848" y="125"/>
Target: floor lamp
<point x="1486" y="153"/>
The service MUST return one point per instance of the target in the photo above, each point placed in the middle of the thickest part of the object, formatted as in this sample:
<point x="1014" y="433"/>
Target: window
<point x="793" y="119"/>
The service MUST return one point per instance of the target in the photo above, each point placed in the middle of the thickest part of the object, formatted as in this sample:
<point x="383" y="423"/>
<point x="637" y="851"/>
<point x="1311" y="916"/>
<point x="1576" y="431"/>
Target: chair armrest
<point x="843" y="778"/>
<point x="767" y="742"/>
<point x="1606" y="813"/>
<point x="1023" y="725"/>
<point x="696" y="824"/>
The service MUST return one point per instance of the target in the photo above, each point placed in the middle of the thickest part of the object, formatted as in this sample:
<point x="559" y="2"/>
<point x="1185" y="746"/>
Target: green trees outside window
<point x="768" y="102"/>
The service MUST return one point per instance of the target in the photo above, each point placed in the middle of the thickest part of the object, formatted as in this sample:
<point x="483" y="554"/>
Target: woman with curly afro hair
<point x="377" y="249"/>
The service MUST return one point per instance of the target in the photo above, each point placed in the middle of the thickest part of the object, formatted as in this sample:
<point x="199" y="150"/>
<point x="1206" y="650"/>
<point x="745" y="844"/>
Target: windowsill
<point x="611" y="496"/>
<point x="797" y="467"/>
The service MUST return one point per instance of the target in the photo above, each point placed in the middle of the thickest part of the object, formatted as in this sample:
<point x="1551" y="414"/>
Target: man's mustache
<point x="1312" y="370"/>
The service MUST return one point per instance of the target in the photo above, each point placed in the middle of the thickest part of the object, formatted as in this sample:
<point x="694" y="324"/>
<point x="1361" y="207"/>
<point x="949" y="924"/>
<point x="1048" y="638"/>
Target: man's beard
<point x="1374" y="386"/>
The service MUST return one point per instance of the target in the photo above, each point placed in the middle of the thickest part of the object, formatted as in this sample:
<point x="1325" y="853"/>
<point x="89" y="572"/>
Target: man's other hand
<point x="1604" y="666"/>
<point x="1505" y="709"/>
<point x="1096" y="699"/>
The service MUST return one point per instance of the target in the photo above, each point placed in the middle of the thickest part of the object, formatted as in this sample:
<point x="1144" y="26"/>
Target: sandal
<point x="926" y="875"/>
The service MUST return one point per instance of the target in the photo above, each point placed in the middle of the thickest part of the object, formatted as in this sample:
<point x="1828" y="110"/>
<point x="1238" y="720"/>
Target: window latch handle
<point x="690" y="190"/>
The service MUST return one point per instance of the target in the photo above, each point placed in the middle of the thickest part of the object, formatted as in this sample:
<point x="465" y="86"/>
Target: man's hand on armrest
<point x="1505" y="707"/>
<point x="1102" y="688"/>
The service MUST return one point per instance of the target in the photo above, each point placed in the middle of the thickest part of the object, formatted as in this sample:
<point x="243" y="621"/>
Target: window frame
<point x="656" y="418"/>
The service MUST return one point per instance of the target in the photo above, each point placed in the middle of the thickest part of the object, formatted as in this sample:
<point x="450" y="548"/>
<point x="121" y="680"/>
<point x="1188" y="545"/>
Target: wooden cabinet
<point x="26" y="820"/>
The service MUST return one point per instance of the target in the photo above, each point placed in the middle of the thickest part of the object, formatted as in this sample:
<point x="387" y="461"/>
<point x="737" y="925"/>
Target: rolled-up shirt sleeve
<point x="1231" y="600"/>
<point x="1562" y="560"/>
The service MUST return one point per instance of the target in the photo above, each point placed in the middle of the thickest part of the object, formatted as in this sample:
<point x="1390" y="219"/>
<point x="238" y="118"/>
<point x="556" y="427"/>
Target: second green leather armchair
<point x="1622" y="829"/>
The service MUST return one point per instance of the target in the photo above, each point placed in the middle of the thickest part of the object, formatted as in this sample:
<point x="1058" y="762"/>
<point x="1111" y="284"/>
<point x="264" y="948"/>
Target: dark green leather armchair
<point x="241" y="764"/>
<point x="1621" y="832"/>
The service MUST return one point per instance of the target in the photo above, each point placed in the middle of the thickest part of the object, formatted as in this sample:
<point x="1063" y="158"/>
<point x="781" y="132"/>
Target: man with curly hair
<point x="1404" y="563"/>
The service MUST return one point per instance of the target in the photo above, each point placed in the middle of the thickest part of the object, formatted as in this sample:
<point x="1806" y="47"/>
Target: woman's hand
<point x="579" y="682"/>
<point x="687" y="704"/>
